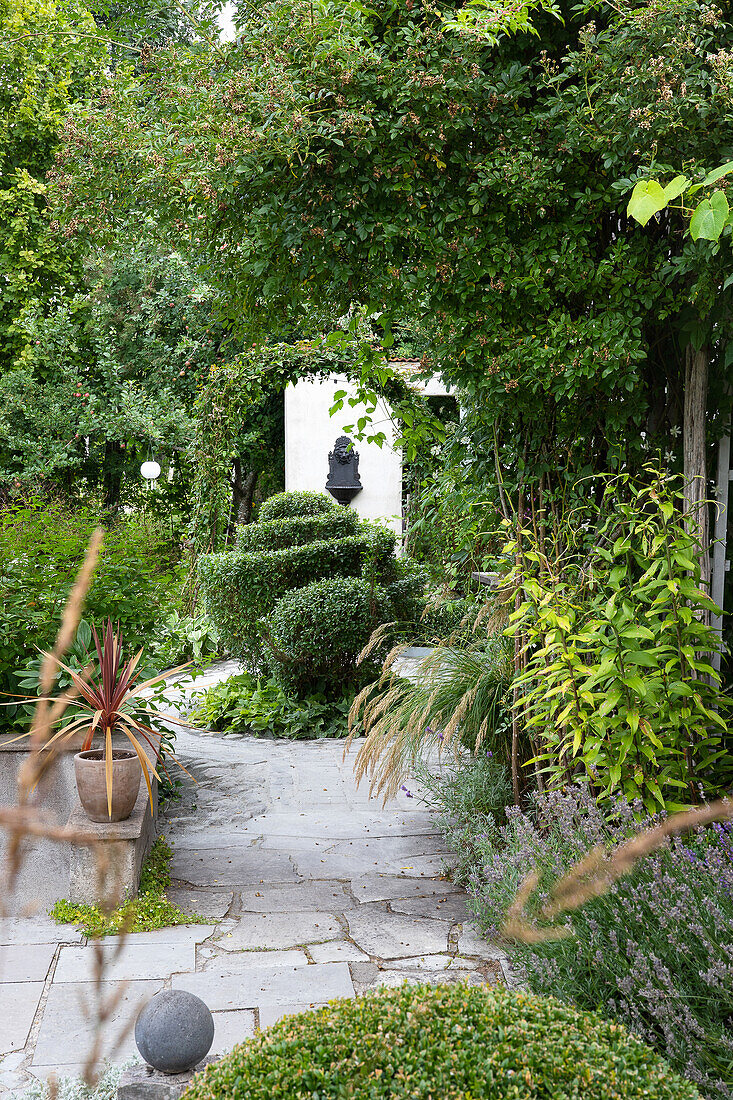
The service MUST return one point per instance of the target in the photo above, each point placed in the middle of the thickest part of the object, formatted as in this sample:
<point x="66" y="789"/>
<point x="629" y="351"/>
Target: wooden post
<point x="695" y="472"/>
<point x="720" y="564"/>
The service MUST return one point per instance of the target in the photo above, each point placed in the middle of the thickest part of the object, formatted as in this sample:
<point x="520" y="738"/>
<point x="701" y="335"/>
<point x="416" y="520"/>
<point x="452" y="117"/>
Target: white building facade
<point x="311" y="432"/>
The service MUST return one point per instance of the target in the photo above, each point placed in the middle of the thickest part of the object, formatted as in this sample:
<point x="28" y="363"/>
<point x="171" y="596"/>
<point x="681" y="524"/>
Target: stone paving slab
<point x="279" y="930"/>
<point x="204" y="903"/>
<point x="231" y="1028"/>
<point x="395" y="887"/>
<point x="20" y="1004"/>
<point x="452" y="907"/>
<point x="178" y="933"/>
<point x="65" y="1036"/>
<point x="247" y="960"/>
<point x="136" y="961"/>
<point x="268" y="985"/>
<point x="336" y="951"/>
<point x="36" y="930"/>
<point x="330" y="897"/>
<point x="27" y="962"/>
<point x="392" y="936"/>
<point x="230" y="867"/>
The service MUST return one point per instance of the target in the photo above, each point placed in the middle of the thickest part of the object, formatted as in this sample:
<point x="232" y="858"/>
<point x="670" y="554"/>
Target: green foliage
<point x="48" y="59"/>
<point x="296" y="505"/>
<point x="316" y="633"/>
<point x="279" y="534"/>
<point x="240" y="588"/>
<point x="42" y="545"/>
<point x="246" y="705"/>
<point x="707" y="220"/>
<point x="618" y="676"/>
<point x="567" y="334"/>
<point x="181" y="638"/>
<point x="121" y="360"/>
<point x="149" y="910"/>
<point x="451" y="1041"/>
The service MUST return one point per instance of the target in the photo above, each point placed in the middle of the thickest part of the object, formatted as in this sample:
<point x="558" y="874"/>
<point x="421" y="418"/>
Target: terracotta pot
<point x="92" y="785"/>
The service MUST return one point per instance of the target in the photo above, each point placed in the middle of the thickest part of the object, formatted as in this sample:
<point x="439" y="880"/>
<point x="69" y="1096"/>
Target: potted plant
<point x="107" y="699"/>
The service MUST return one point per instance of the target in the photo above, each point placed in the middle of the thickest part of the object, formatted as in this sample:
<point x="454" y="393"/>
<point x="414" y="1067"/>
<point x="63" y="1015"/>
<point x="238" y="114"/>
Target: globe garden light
<point x="150" y="470"/>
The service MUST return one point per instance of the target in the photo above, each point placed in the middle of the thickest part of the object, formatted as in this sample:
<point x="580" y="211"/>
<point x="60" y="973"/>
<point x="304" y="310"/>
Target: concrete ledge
<point x="124" y="846"/>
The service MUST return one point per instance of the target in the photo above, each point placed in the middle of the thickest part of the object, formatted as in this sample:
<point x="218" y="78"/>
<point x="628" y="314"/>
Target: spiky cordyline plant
<point x="111" y="701"/>
<point x="459" y="691"/>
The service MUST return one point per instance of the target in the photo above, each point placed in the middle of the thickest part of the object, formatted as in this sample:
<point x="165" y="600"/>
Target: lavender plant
<point x="655" y="952"/>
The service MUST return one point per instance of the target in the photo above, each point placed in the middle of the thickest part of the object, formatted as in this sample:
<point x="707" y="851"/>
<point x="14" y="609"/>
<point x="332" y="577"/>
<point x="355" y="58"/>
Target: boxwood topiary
<point x="299" y="503"/>
<point x="315" y="633"/>
<point x="279" y="534"/>
<point x="450" y="1042"/>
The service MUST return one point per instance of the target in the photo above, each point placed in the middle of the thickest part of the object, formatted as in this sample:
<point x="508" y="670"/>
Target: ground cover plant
<point x="420" y="1042"/>
<point x="244" y="704"/>
<point x="150" y="909"/>
<point x="654" y="952"/>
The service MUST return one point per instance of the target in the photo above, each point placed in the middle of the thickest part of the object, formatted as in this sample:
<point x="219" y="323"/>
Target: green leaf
<point x="709" y="218"/>
<point x="647" y="199"/>
<point x="674" y="189"/>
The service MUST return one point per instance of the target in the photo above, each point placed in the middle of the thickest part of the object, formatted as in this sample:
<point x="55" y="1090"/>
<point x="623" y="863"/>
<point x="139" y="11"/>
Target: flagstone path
<point x="313" y="889"/>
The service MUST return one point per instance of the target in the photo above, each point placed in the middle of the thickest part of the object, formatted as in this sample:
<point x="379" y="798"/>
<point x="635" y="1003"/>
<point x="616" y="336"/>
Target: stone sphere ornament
<point x="174" y="1031"/>
<point x="150" y="470"/>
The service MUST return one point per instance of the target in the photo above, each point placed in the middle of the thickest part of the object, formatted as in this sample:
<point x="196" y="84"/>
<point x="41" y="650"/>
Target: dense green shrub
<point x="288" y="505"/>
<point x="450" y="1042"/>
<point x="241" y="587"/>
<point x="316" y="633"/>
<point x="42" y="546"/>
<point x="246" y="705"/>
<point x="279" y="534"/>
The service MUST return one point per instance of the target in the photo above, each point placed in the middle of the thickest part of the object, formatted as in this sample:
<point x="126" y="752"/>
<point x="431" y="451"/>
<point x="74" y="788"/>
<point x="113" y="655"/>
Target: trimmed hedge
<point x="316" y="633"/>
<point x="451" y="1042"/>
<point x="280" y="534"/>
<point x="299" y="503"/>
<point x="239" y="588"/>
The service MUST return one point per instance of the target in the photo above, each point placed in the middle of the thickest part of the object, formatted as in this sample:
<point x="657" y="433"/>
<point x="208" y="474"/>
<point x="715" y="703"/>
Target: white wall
<point x="310" y="434"/>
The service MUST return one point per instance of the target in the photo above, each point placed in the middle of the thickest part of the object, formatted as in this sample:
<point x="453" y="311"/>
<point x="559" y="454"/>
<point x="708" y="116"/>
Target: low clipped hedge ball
<point x="450" y="1042"/>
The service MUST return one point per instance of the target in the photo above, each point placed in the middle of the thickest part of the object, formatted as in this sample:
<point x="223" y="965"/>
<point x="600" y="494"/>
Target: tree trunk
<point x="695" y="473"/>
<point x="243" y="489"/>
<point x="112" y="475"/>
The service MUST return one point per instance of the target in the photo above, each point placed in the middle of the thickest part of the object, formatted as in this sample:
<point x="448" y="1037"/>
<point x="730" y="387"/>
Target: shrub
<point x="245" y="705"/>
<point x="42" y="545"/>
<point x="239" y="589"/>
<point x="279" y="534"/>
<point x="316" y="633"/>
<point x="653" y="953"/>
<point x="452" y="1042"/>
<point x="302" y="503"/>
